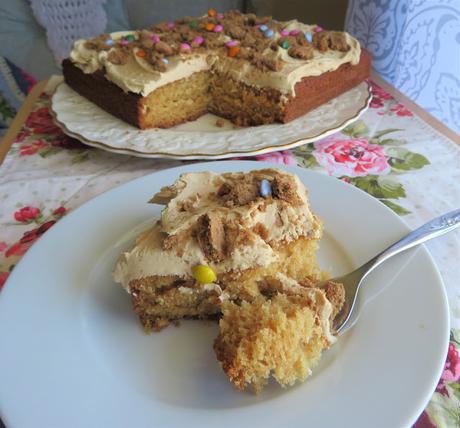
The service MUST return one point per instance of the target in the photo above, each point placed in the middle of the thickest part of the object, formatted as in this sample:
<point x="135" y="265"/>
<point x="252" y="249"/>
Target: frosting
<point x="319" y="301"/>
<point x="197" y="194"/>
<point x="138" y="76"/>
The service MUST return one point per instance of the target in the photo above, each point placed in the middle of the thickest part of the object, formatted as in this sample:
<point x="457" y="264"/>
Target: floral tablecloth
<point x="389" y="153"/>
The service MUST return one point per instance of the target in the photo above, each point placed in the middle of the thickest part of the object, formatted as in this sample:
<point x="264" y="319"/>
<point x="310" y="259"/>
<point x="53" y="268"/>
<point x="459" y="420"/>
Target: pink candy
<point x="294" y="32"/>
<point x="231" y="43"/>
<point x="218" y="28"/>
<point x="185" y="47"/>
<point x="154" y="38"/>
<point x="124" y="42"/>
<point x="198" y="40"/>
<point x="170" y="25"/>
<point x="220" y="16"/>
<point x="318" y="29"/>
<point x="284" y="33"/>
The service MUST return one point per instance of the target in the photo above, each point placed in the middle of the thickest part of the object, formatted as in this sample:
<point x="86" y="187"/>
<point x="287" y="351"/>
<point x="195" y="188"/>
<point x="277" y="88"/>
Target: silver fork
<point x="353" y="280"/>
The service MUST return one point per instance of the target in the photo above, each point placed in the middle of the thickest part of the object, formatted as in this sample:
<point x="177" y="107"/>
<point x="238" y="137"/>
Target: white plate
<point x="74" y="355"/>
<point x="202" y="139"/>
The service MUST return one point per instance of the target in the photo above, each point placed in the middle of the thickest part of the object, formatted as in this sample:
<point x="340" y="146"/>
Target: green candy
<point x="284" y="44"/>
<point x="130" y="38"/>
<point x="192" y="24"/>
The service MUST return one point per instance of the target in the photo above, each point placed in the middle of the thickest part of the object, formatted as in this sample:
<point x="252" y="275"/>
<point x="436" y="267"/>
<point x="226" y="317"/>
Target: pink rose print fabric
<point x="351" y="157"/>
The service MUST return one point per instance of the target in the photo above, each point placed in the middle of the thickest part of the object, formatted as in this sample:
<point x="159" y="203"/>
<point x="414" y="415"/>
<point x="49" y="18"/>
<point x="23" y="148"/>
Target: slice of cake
<point x="252" y="70"/>
<point x="241" y="245"/>
<point x="282" y="334"/>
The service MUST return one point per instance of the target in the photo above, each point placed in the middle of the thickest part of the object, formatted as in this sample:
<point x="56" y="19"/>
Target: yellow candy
<point x="203" y="274"/>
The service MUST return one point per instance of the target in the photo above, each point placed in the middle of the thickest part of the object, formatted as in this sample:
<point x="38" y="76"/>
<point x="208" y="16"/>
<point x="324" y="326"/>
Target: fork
<point x="353" y="281"/>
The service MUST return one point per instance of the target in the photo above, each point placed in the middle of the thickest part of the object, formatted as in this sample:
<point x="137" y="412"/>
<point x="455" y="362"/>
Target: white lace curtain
<point x="68" y="20"/>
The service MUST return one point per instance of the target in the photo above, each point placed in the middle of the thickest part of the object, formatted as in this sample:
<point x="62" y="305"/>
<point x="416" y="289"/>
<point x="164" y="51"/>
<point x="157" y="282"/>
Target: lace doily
<point x="66" y="21"/>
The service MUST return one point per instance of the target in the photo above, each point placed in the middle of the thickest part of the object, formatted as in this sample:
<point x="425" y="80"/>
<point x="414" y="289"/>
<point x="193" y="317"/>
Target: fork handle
<point x="434" y="228"/>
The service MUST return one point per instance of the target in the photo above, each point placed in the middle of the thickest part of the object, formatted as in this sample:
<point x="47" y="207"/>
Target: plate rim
<point x="167" y="155"/>
<point x="258" y="165"/>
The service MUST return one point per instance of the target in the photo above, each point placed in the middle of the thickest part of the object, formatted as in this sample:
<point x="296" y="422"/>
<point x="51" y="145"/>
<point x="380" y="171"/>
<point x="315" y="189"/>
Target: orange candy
<point x="233" y="51"/>
<point x="209" y="26"/>
<point x="212" y="12"/>
<point x="140" y="54"/>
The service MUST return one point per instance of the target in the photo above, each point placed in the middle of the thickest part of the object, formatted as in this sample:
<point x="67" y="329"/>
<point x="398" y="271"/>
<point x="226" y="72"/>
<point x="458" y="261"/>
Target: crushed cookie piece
<point x="220" y="123"/>
<point x="335" y="293"/>
<point x="163" y="48"/>
<point x="211" y="237"/>
<point x="338" y="41"/>
<point x="236" y="32"/>
<point x="335" y="40"/>
<point x="169" y="242"/>
<point x="118" y="56"/>
<point x="301" y="52"/>
<point x="321" y="41"/>
<point x="264" y="62"/>
<point x="100" y="43"/>
<point x="239" y="192"/>
<point x="246" y="53"/>
<point x="159" y="65"/>
<point x="261" y="230"/>
<point x="283" y="187"/>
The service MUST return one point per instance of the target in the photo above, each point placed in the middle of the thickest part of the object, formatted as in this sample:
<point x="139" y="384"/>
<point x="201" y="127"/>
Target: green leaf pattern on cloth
<point x="370" y="162"/>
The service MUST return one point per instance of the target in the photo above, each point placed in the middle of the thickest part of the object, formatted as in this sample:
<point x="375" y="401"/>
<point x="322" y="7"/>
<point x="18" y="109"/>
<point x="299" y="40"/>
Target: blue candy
<point x="109" y="42"/>
<point x="268" y="33"/>
<point x="263" y="28"/>
<point x="265" y="189"/>
<point x="165" y="60"/>
<point x="309" y="37"/>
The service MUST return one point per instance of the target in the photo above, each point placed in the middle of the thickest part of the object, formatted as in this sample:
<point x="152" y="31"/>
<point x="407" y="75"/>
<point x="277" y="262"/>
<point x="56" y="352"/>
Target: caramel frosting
<point x="293" y="51"/>
<point x="221" y="221"/>
<point x="323" y="308"/>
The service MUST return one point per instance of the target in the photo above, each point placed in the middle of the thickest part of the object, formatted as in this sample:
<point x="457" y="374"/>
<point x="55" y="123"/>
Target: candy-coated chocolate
<point x="284" y="44"/>
<point x="265" y="188"/>
<point x="268" y="33"/>
<point x="203" y="274"/>
<point x="263" y="28"/>
<point x="218" y="28"/>
<point x="233" y="51"/>
<point x="212" y="12"/>
<point x="198" y="40"/>
<point x="309" y="37"/>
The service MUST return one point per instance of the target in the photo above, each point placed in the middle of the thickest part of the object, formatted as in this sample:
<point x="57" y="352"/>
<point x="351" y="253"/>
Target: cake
<point x="248" y="69"/>
<point x="241" y="248"/>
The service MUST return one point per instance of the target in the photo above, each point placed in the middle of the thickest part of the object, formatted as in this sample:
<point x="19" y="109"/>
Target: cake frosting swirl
<point x="221" y="221"/>
<point x="293" y="51"/>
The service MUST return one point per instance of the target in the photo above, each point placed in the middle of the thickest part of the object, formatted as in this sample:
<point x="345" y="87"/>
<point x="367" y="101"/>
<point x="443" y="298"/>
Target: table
<point x="392" y="153"/>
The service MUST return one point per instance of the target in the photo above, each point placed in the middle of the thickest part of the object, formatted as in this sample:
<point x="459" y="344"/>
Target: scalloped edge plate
<point x="202" y="139"/>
